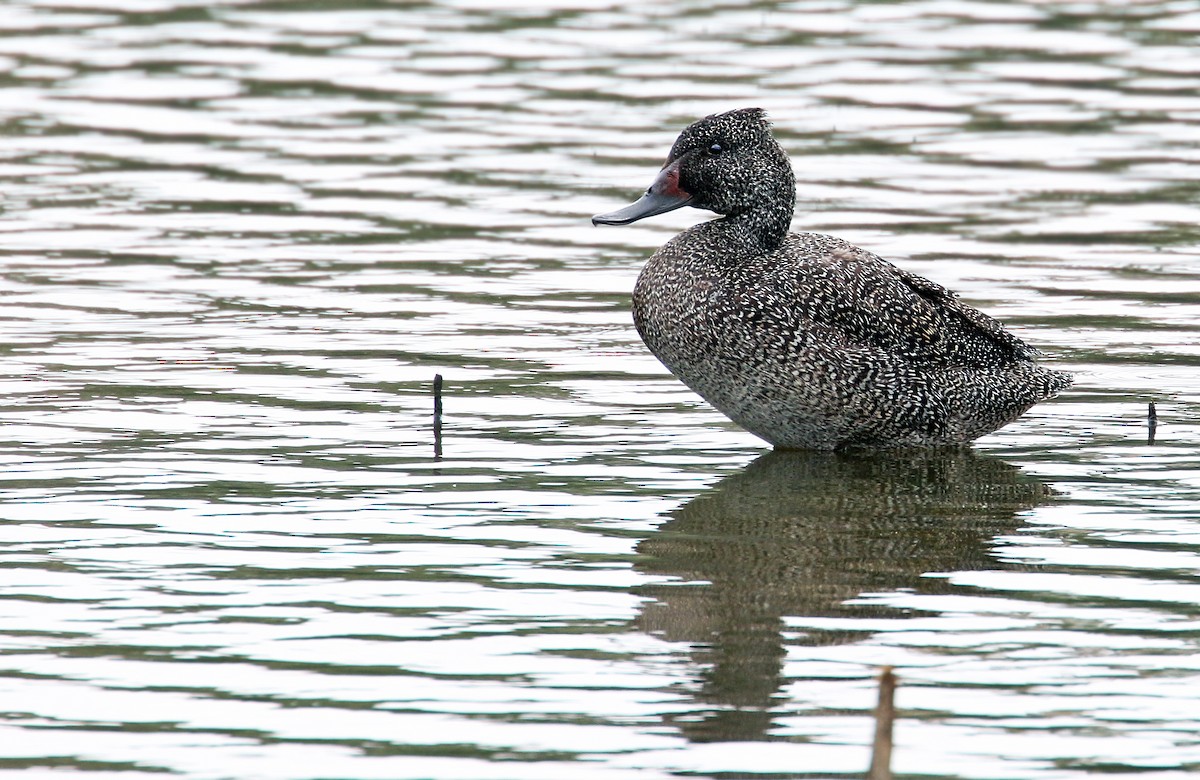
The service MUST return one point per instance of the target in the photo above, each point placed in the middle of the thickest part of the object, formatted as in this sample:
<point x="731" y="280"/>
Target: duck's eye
<point x="715" y="149"/>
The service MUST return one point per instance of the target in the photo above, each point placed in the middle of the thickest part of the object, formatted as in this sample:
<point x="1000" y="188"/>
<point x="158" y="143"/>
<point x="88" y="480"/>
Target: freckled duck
<point x="803" y="339"/>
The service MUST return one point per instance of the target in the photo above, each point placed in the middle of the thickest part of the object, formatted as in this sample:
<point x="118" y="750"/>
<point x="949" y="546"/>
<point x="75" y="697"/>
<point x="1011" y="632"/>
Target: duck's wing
<point x="872" y="302"/>
<point x="979" y="338"/>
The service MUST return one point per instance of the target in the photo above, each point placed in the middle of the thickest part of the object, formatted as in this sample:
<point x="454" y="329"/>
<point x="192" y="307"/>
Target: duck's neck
<point x="763" y="226"/>
<point x="763" y="229"/>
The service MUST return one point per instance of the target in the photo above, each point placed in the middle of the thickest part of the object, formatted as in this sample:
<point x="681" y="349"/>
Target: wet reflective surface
<point x="239" y="241"/>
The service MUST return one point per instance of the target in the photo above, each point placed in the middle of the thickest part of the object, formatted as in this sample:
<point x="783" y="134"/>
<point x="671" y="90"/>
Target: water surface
<point x="239" y="240"/>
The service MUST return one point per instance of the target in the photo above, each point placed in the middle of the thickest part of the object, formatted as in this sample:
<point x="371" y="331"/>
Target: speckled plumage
<point x="803" y="339"/>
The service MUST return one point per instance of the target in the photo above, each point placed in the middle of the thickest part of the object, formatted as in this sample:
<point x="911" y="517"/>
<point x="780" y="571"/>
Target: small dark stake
<point x="437" y="415"/>
<point x="1151" y="423"/>
<point x="885" y="715"/>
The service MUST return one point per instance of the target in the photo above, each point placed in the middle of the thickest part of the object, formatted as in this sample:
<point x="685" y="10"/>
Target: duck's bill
<point x="647" y="206"/>
<point x="664" y="195"/>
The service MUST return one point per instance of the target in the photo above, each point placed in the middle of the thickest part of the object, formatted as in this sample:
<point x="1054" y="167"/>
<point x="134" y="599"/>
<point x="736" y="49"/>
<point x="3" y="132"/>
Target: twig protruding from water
<point x="437" y="415"/>
<point x="1151" y="423"/>
<point x="885" y="716"/>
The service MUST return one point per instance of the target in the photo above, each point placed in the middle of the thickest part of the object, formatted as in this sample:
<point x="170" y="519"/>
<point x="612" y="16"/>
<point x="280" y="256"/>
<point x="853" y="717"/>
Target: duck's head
<point x="727" y="163"/>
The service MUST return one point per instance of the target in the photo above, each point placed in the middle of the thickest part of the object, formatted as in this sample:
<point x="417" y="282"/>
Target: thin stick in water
<point x="1151" y="423"/>
<point x="437" y="415"/>
<point x="885" y="715"/>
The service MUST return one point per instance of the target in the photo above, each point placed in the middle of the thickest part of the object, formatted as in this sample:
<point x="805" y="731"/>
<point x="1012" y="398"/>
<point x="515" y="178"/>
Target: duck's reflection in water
<point x="802" y="533"/>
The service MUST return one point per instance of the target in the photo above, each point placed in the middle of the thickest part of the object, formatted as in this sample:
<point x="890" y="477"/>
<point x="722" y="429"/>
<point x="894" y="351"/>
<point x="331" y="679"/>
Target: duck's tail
<point x="992" y="398"/>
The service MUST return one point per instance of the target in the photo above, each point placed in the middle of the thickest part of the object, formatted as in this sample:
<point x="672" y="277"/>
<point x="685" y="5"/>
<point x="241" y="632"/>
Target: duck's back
<point x="818" y="343"/>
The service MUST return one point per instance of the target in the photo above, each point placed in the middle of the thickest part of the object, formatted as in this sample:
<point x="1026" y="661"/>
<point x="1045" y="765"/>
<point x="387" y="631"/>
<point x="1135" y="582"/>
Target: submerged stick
<point x="437" y="415"/>
<point x="1151" y="423"/>
<point x="885" y="715"/>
